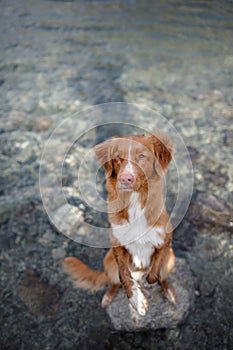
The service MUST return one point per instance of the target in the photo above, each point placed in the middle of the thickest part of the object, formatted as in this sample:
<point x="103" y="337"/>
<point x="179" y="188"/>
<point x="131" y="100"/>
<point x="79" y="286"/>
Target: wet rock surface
<point x="58" y="57"/>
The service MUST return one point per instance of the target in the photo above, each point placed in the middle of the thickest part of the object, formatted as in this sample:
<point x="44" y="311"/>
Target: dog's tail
<point x="84" y="277"/>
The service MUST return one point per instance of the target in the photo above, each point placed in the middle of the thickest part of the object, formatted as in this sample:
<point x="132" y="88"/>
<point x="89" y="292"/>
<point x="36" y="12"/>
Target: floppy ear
<point x="163" y="148"/>
<point x="102" y="152"/>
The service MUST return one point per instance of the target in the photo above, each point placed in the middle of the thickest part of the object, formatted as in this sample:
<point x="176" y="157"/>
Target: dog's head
<point x="134" y="159"/>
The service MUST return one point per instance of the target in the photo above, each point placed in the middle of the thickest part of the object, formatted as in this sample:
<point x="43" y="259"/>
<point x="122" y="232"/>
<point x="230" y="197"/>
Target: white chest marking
<point x="139" y="238"/>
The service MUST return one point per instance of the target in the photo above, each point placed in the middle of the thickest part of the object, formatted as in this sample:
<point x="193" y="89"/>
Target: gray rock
<point x="67" y="218"/>
<point x="184" y="236"/>
<point x="161" y="313"/>
<point x="42" y="124"/>
<point x="210" y="211"/>
<point x="7" y="241"/>
<point x="47" y="238"/>
<point x="11" y="204"/>
<point x="228" y="138"/>
<point x="41" y="299"/>
<point x="58" y="253"/>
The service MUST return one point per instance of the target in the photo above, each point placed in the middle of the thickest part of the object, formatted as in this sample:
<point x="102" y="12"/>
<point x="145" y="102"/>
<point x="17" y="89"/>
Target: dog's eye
<point x="141" y="156"/>
<point x="117" y="156"/>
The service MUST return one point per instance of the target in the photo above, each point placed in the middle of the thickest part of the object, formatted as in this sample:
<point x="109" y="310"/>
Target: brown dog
<point x="141" y="232"/>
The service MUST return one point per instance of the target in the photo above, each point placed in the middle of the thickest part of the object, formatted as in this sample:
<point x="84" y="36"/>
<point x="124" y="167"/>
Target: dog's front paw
<point x="170" y="294"/>
<point x="139" y="301"/>
<point x="152" y="278"/>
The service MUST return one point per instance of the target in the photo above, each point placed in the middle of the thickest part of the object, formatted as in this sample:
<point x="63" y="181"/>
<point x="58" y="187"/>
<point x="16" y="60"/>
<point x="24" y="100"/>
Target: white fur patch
<point x="139" y="238"/>
<point x="129" y="166"/>
<point x="137" y="275"/>
<point x="135" y="210"/>
<point x="141" y="254"/>
<point x="105" y="301"/>
<point x="138" y="300"/>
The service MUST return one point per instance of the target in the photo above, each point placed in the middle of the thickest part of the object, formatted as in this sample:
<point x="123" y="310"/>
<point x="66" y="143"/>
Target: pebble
<point x="58" y="253"/>
<point x="47" y="238"/>
<point x="42" y="124"/>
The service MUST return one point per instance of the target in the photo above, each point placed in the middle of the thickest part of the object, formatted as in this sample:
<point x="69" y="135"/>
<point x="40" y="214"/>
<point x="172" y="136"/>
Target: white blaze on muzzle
<point x="129" y="166"/>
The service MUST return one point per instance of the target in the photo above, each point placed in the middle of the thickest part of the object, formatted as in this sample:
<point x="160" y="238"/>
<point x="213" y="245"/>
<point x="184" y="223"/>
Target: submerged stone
<point x="210" y="211"/>
<point x="40" y="298"/>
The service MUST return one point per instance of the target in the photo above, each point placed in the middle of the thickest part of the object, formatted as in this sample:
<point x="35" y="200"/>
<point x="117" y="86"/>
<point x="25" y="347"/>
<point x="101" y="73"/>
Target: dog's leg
<point x="138" y="300"/>
<point x="110" y="295"/>
<point x="133" y="291"/>
<point x="112" y="271"/>
<point x="162" y="263"/>
<point x="166" y="268"/>
<point x="169" y="291"/>
<point x="156" y="263"/>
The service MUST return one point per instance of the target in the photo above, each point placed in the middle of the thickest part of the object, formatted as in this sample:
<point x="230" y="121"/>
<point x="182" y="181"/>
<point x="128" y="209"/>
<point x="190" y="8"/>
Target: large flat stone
<point x="161" y="313"/>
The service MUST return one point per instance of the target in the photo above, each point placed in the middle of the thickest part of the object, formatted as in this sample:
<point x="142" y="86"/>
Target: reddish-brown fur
<point x="149" y="158"/>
